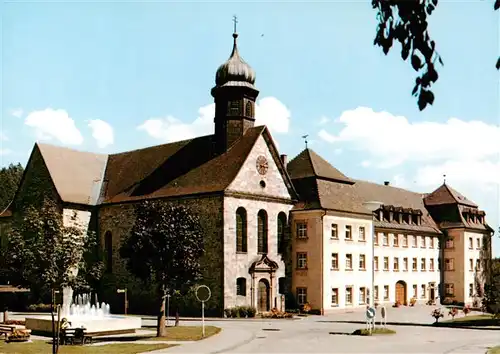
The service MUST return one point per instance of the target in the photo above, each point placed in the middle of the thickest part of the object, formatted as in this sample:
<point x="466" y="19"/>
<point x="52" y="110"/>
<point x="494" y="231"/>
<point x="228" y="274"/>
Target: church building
<point x="271" y="228"/>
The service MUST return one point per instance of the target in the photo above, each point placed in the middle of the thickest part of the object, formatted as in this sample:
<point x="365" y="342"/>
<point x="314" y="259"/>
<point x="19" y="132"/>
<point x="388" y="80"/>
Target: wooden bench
<point x="7" y="329"/>
<point x="75" y="336"/>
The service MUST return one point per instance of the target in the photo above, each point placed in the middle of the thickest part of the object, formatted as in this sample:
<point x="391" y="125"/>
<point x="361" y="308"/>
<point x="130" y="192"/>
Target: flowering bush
<point x="397" y="304"/>
<point x="275" y="313"/>
<point x="18" y="335"/>
<point x="453" y="312"/>
<point x="437" y="314"/>
<point x="466" y="310"/>
<point x="413" y="301"/>
<point x="15" y="322"/>
<point x="306" y="308"/>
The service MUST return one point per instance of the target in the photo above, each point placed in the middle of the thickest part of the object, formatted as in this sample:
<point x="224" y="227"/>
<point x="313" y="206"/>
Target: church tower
<point x="234" y="96"/>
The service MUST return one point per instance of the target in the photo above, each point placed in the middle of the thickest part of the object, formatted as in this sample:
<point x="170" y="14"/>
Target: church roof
<point x="309" y="164"/>
<point x="176" y="169"/>
<point x="447" y="195"/>
<point x="77" y="175"/>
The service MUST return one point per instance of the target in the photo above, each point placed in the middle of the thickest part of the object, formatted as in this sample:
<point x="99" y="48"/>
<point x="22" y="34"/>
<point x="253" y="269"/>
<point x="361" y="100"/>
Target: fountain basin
<point x="96" y="326"/>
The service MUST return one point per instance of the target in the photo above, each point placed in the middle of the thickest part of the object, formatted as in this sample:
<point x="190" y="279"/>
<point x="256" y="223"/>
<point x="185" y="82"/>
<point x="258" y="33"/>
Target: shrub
<point x="18" y="335"/>
<point x="453" y="312"/>
<point x="315" y="312"/>
<point x="275" y="313"/>
<point x="39" y="308"/>
<point x="252" y="311"/>
<point x="292" y="311"/>
<point x="447" y="301"/>
<point x="234" y="312"/>
<point x="306" y="308"/>
<point x="437" y="314"/>
<point x="242" y="311"/>
<point x="227" y="312"/>
<point x="397" y="304"/>
<point x="413" y="301"/>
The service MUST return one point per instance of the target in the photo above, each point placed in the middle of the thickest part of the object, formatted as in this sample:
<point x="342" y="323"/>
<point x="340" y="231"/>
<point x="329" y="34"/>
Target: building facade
<point x="413" y="252"/>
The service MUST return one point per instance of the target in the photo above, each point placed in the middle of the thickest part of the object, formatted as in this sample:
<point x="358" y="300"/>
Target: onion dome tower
<point x="234" y="96"/>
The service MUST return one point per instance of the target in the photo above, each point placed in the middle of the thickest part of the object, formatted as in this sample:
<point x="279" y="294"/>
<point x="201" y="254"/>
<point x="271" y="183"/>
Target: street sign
<point x="370" y="313"/>
<point x="203" y="294"/>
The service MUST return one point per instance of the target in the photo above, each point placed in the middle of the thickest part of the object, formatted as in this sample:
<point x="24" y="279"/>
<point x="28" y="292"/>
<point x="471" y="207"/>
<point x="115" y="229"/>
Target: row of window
<point x="425" y="242"/>
<point x="262" y="231"/>
<point x="450" y="243"/>
<point x="414" y="265"/>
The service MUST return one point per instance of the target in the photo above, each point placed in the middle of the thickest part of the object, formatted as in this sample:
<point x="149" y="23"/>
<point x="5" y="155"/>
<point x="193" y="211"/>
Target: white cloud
<point x="102" y="132"/>
<point x="323" y="120"/>
<point x="5" y="152"/>
<point x="269" y="111"/>
<point x="3" y="136"/>
<point x="55" y="124"/>
<point x="337" y="151"/>
<point x="392" y="140"/>
<point x="16" y="112"/>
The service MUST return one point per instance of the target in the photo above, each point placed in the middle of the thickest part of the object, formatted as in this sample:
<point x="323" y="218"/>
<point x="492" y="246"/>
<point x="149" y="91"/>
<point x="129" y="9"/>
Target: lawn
<point x="375" y="331"/>
<point x="494" y="350"/>
<point x="42" y="347"/>
<point x="474" y="320"/>
<point x="185" y="333"/>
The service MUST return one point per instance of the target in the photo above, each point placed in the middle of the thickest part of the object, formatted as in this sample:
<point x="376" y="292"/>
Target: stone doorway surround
<point x="263" y="271"/>
<point x="401" y="292"/>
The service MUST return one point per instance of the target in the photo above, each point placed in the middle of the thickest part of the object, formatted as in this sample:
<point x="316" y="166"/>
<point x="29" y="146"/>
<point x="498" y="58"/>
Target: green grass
<point x="375" y="331"/>
<point x="42" y="347"/>
<point x="474" y="320"/>
<point x="494" y="350"/>
<point x="187" y="333"/>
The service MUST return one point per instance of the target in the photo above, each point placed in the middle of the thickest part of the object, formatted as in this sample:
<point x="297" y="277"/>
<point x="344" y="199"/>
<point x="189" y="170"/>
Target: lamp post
<point x="167" y="295"/>
<point x="124" y="291"/>
<point x="373" y="206"/>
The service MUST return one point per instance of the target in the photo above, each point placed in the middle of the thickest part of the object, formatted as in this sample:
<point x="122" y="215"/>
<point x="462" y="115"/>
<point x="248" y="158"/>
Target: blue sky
<point x="73" y="70"/>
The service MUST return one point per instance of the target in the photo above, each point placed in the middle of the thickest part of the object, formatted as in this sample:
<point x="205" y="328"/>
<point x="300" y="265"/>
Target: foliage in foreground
<point x="164" y="248"/>
<point x="407" y="23"/>
<point x="42" y="250"/>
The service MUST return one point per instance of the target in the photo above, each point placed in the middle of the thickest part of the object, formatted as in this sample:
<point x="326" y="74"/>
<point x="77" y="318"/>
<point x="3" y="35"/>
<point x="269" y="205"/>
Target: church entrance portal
<point x="401" y="292"/>
<point x="263" y="297"/>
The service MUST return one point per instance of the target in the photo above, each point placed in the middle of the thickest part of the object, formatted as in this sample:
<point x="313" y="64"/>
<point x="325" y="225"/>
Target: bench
<point x="71" y="336"/>
<point x="7" y="329"/>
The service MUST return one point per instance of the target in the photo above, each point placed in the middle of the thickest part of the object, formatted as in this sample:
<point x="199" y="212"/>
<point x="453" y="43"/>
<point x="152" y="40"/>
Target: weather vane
<point x="444" y="179"/>
<point x="305" y="138"/>
<point x="235" y="21"/>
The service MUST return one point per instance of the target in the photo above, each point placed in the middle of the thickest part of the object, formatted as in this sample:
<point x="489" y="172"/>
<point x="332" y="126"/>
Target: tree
<point x="42" y="250"/>
<point x="406" y="22"/>
<point x="491" y="299"/>
<point x="44" y="253"/>
<point x="164" y="248"/>
<point x="10" y="177"/>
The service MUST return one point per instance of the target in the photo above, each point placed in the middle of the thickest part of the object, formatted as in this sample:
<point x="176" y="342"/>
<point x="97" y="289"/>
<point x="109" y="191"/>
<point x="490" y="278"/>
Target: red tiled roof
<point x="447" y="195"/>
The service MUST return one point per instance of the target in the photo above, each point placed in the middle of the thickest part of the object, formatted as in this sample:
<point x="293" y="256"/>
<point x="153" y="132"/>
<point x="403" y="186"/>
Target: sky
<point x="114" y="76"/>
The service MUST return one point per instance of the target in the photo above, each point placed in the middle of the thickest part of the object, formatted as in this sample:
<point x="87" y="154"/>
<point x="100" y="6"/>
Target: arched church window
<point x="241" y="230"/>
<point x="249" y="109"/>
<point x="281" y="231"/>
<point x="262" y="232"/>
<point x="108" y="248"/>
<point x="241" y="286"/>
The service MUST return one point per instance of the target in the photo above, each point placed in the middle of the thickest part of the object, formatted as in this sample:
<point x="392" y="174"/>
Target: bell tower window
<point x="249" y="109"/>
<point x="235" y="108"/>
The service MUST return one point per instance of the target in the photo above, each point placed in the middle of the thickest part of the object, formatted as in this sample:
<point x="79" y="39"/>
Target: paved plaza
<point x="313" y="335"/>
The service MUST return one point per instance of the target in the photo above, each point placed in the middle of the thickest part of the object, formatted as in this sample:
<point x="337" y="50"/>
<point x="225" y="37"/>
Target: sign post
<point x="203" y="294"/>
<point x="370" y="318"/>
<point x="383" y="313"/>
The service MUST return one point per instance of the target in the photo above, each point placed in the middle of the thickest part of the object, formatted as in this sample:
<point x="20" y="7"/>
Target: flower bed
<point x="275" y="313"/>
<point x="19" y="335"/>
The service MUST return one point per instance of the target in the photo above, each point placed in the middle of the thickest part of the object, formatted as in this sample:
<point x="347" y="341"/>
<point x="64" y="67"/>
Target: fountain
<point x="79" y="311"/>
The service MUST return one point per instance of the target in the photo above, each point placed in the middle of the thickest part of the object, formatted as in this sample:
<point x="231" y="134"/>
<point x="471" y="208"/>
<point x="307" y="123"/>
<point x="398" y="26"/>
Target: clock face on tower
<point x="262" y="165"/>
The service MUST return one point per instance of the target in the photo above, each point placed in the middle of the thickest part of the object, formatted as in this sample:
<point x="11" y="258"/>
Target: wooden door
<point x="263" y="297"/>
<point x="400" y="293"/>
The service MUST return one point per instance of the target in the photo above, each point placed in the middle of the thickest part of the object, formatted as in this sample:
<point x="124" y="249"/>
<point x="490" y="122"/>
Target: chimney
<point x="386" y="183"/>
<point x="283" y="159"/>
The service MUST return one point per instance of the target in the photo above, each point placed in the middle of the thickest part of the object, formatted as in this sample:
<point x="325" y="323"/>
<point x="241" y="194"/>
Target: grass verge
<point x="494" y="350"/>
<point x="43" y="347"/>
<point x="187" y="333"/>
<point x="375" y="331"/>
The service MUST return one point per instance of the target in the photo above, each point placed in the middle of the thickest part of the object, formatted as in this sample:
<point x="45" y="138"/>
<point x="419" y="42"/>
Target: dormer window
<point x="414" y="219"/>
<point x="406" y="218"/>
<point x="386" y="216"/>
